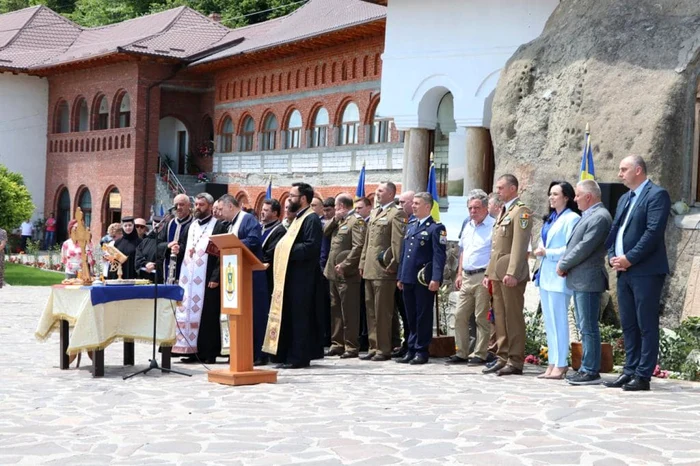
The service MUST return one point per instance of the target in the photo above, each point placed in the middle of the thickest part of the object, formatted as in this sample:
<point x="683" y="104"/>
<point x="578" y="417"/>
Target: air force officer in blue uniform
<point x="423" y="250"/>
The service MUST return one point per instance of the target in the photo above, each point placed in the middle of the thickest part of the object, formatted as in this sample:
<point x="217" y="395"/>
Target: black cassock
<point x="127" y="244"/>
<point x="301" y="336"/>
<point x="165" y="236"/>
<point x="145" y="253"/>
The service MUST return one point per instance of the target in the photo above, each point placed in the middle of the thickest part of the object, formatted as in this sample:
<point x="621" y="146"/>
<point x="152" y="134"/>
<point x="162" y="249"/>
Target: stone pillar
<point x="416" y="160"/>
<point x="478" y="163"/>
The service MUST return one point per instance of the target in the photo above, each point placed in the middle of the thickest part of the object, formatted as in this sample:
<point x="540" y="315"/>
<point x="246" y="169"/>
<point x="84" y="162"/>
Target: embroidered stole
<point x="279" y="273"/>
<point x="193" y="281"/>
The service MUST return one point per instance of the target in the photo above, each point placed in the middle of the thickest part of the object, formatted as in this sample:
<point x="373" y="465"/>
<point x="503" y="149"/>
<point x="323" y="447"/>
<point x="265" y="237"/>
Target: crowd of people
<point x="348" y="279"/>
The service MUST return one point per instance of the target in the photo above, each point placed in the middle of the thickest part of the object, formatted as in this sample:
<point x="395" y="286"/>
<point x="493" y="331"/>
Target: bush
<point x="675" y="345"/>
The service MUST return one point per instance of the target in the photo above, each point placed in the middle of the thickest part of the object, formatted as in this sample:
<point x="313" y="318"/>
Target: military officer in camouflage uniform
<point x="508" y="273"/>
<point x="378" y="266"/>
<point x="347" y="233"/>
<point x="420" y="274"/>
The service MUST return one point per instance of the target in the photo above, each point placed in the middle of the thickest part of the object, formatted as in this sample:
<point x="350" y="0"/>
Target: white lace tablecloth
<point x="96" y="327"/>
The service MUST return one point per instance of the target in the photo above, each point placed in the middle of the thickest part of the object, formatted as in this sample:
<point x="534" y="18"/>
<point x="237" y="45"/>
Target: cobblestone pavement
<point x="336" y="412"/>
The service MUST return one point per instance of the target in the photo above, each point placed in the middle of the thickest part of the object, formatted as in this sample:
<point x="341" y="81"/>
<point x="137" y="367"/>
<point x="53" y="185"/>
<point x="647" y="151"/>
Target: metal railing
<point x="170" y="178"/>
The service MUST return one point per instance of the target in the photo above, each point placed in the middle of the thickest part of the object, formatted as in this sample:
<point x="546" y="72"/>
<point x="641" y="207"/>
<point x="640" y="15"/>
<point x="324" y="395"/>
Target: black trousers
<point x="419" y="301"/>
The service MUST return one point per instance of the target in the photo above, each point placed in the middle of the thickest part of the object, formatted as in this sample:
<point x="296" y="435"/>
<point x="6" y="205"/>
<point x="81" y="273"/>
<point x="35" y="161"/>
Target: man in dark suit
<point x="272" y="233"/>
<point x="637" y="252"/>
<point x="420" y="275"/>
<point x="583" y="265"/>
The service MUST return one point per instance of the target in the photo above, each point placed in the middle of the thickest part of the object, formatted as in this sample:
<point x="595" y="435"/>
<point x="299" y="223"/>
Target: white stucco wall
<point x="23" y="129"/>
<point x="458" y="46"/>
<point x="167" y="139"/>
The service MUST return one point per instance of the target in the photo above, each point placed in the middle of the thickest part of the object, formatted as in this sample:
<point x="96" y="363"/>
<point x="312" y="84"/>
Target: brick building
<point x="292" y="98"/>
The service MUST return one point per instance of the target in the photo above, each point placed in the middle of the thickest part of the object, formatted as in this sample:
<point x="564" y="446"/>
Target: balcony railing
<point x="91" y="141"/>
<point x="170" y="178"/>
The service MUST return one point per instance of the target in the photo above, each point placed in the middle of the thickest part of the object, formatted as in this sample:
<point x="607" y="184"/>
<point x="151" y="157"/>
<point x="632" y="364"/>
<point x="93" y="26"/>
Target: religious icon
<point x="81" y="236"/>
<point x="230" y="280"/>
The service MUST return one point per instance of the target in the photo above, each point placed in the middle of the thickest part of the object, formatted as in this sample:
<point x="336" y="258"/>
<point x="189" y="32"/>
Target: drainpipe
<point x="148" y="132"/>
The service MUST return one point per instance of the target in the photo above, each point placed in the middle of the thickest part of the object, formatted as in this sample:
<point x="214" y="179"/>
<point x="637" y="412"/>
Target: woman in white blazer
<point x="554" y="295"/>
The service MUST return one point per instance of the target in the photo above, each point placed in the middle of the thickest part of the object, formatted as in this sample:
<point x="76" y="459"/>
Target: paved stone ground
<point x="337" y="412"/>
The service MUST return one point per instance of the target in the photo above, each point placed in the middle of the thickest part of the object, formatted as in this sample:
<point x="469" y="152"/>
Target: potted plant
<point x="609" y="335"/>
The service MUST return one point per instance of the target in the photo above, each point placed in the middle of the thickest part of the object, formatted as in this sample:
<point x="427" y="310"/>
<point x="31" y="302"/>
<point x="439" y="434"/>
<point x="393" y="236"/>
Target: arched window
<point x="227" y="135"/>
<point x="269" y="134"/>
<point x="247" y="134"/>
<point x="124" y="115"/>
<point x="81" y="118"/>
<point x="85" y="204"/>
<point x="62" y="118"/>
<point x="319" y="132"/>
<point x="294" y="130"/>
<point x="380" y="128"/>
<point x="102" y="117"/>
<point x="350" y="125"/>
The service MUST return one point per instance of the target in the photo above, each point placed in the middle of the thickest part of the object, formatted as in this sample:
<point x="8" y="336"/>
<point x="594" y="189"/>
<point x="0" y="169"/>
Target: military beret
<point x="384" y="257"/>
<point x="425" y="274"/>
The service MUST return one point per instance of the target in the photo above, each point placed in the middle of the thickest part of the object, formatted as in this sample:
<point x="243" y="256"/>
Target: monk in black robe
<point x="127" y="245"/>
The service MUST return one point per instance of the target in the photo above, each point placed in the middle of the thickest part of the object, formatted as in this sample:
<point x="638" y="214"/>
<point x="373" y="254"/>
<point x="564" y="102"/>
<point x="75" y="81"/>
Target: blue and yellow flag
<point x="360" y="191"/>
<point x="268" y="193"/>
<point x="587" y="168"/>
<point x="432" y="189"/>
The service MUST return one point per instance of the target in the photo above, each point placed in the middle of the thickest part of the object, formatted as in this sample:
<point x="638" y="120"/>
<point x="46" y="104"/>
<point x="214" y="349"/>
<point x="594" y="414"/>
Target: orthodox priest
<point x="272" y="233"/>
<point x="199" y="331"/>
<point x="294" y="328"/>
<point x="173" y="236"/>
<point x="248" y="230"/>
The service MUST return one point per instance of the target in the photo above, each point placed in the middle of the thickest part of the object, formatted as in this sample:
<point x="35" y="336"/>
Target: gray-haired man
<point x="583" y="264"/>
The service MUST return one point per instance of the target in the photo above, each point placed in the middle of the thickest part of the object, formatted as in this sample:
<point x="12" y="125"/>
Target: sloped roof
<point x="37" y="38"/>
<point x="315" y="18"/>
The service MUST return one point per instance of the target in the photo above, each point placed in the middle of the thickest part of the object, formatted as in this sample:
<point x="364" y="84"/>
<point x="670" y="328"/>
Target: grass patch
<point x="21" y="275"/>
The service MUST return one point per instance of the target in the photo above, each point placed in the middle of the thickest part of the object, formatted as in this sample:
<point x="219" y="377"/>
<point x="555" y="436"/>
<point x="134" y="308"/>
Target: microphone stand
<point x="153" y="361"/>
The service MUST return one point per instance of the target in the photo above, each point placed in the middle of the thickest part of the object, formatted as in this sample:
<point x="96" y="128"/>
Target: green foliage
<point x="15" y="201"/>
<point x="535" y="336"/>
<point x="21" y="275"/>
<point x="91" y="13"/>
<point x="675" y="346"/>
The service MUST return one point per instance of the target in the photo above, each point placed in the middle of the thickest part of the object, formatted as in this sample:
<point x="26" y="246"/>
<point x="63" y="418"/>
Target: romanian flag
<point x="432" y="189"/>
<point x="162" y="209"/>
<point x="268" y="193"/>
<point x="360" y="191"/>
<point x="587" y="168"/>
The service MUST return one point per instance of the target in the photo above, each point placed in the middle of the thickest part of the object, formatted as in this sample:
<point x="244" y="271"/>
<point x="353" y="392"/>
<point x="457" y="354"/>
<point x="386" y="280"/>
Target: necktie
<point x="503" y="213"/>
<point x="620" y="221"/>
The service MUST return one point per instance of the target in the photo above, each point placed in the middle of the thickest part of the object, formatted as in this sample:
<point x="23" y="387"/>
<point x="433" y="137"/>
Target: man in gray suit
<point x="583" y="265"/>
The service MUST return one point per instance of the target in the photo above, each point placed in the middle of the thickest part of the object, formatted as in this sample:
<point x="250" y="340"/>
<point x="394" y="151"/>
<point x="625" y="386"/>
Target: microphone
<point x="171" y="208"/>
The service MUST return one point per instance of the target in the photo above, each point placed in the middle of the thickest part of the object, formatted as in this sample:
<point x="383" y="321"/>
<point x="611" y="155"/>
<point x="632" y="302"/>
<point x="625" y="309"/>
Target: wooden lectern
<point x="237" y="264"/>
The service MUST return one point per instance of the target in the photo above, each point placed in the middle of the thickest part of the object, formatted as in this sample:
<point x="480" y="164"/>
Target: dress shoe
<point x="210" y="361"/>
<point x="368" y="356"/>
<point x="399" y="352"/>
<point x="619" y="382"/>
<point x="334" y="352"/>
<point x="419" y="360"/>
<point x="491" y="357"/>
<point x="406" y="359"/>
<point x="348" y="355"/>
<point x="189" y="360"/>
<point x="636" y="385"/>
<point x="380" y="357"/>
<point x="454" y="359"/>
<point x="260" y="362"/>
<point x="288" y="365"/>
<point x="494" y="368"/>
<point x="476" y="361"/>
<point x="509" y="370"/>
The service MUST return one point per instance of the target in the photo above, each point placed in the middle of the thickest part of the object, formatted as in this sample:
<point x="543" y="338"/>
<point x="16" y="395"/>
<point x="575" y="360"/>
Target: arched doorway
<point x="63" y="215"/>
<point x="173" y="143"/>
<point x="112" y="208"/>
<point x="85" y="204"/>
<point x="242" y="199"/>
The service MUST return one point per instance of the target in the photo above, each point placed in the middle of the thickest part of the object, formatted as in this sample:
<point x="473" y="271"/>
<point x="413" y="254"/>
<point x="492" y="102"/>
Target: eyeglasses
<point x="295" y="195"/>
<point x="141" y="226"/>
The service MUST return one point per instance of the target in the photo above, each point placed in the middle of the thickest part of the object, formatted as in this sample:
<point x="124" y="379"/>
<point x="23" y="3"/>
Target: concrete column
<point x="478" y="160"/>
<point x="416" y="157"/>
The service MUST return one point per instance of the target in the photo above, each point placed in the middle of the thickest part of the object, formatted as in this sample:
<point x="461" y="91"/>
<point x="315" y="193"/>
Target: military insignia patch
<point x="524" y="220"/>
<point x="443" y="237"/>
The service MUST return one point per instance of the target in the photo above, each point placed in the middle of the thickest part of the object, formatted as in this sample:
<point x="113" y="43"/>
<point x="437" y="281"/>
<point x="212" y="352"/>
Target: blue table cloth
<point x="106" y="294"/>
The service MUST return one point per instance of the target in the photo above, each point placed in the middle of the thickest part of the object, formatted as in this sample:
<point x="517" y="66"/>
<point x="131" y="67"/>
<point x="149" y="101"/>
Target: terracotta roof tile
<point x="315" y="18"/>
<point x="35" y="38"/>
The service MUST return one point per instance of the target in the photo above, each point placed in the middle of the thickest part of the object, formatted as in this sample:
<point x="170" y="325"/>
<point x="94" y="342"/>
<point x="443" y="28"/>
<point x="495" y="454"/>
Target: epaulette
<point x="519" y="203"/>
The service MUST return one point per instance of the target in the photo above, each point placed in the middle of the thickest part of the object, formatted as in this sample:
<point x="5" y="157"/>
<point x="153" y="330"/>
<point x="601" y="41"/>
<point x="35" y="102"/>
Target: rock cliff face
<point x="627" y="67"/>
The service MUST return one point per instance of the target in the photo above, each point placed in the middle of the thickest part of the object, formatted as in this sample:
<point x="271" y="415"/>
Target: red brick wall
<point x="353" y="62"/>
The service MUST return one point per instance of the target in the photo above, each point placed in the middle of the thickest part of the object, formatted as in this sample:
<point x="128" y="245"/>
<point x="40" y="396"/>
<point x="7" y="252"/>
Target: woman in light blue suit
<point x="554" y="295"/>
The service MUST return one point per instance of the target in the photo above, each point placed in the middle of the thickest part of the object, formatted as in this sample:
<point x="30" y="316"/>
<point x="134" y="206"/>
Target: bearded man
<point x="199" y="331"/>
